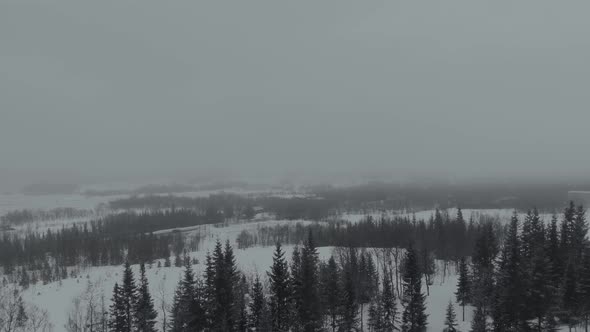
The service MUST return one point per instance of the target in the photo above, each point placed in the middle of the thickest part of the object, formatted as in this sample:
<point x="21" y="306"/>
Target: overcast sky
<point x="160" y="88"/>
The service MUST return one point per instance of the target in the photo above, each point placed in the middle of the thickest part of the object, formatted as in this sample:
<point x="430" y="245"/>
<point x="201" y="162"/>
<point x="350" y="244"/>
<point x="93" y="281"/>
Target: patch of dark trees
<point x="547" y="196"/>
<point x="107" y="241"/>
<point x="19" y="217"/>
<point x="447" y="237"/>
<point x="302" y="293"/>
<point x="235" y="205"/>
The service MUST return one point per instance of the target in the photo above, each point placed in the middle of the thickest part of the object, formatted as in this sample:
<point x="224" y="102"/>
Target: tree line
<point x="300" y="294"/>
<point x="111" y="240"/>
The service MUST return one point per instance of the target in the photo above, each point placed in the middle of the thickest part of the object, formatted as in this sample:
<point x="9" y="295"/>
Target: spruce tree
<point x="485" y="252"/>
<point x="309" y="312"/>
<point x="296" y="283"/>
<point x="145" y="313"/>
<point x="230" y="279"/>
<point x="478" y="323"/>
<point x="258" y="318"/>
<point x="555" y="264"/>
<point x="388" y="307"/>
<point x="129" y="296"/>
<point x="509" y="299"/>
<point x="540" y="293"/>
<point x="186" y="313"/>
<point x="463" y="293"/>
<point x="579" y="232"/>
<point x="349" y="307"/>
<point x="331" y="292"/>
<point x="208" y="293"/>
<point x="414" y="315"/>
<point x="280" y="291"/>
<point x="117" y="321"/>
<point x="566" y="232"/>
<point x="584" y="288"/>
<point x="571" y="297"/>
<point x="450" y="319"/>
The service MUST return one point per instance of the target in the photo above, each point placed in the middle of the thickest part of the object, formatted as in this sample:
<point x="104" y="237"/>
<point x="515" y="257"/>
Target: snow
<point x="57" y="297"/>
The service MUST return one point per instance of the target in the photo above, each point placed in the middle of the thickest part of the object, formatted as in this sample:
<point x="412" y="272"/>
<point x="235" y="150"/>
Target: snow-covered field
<point x="57" y="297"/>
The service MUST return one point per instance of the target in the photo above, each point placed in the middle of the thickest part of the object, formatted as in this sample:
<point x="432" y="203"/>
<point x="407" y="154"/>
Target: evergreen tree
<point x="579" y="232"/>
<point x="309" y="312"/>
<point x="280" y="291"/>
<point x="296" y="283"/>
<point x="478" y="323"/>
<point x="555" y="264"/>
<point x="463" y="293"/>
<point x="331" y="292"/>
<point x="414" y="315"/>
<point x="485" y="252"/>
<point x="540" y="293"/>
<point x="584" y="288"/>
<point x="186" y="313"/>
<point x="258" y="320"/>
<point x="349" y="307"/>
<point x="566" y="232"/>
<point x="450" y="319"/>
<point x="388" y="307"/>
<point x="209" y="296"/>
<point x="227" y="283"/>
<point x="571" y="296"/>
<point x="128" y="297"/>
<point x="145" y="313"/>
<point x="509" y="305"/>
<point x="117" y="321"/>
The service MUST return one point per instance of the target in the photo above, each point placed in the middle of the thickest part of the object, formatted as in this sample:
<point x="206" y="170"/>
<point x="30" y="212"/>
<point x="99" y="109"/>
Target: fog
<point x="109" y="90"/>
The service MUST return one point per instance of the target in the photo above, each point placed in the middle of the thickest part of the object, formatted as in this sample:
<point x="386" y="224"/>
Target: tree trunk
<point x="463" y="311"/>
<point x="362" y="307"/>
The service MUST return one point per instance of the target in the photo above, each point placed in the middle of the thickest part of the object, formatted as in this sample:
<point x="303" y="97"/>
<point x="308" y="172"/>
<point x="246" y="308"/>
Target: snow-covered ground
<point x="57" y="297"/>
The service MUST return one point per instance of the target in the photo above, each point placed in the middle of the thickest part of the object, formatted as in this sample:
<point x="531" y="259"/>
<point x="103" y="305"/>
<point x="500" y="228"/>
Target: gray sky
<point x="157" y="88"/>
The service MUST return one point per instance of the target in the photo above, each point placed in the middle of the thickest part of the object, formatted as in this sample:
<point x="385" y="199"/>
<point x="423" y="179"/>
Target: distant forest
<point x="324" y="201"/>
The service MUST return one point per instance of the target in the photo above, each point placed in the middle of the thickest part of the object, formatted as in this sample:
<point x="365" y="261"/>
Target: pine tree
<point x="555" y="264"/>
<point x="296" y="282"/>
<point x="584" y="288"/>
<point x="485" y="252"/>
<point x="463" y="293"/>
<point x="227" y="290"/>
<point x="540" y="293"/>
<point x="145" y="314"/>
<point x="375" y="315"/>
<point x="331" y="292"/>
<point x="117" y="321"/>
<point x="388" y="307"/>
<point x="509" y="306"/>
<point x="566" y="232"/>
<point x="209" y="296"/>
<point x="310" y="314"/>
<point x="451" y="319"/>
<point x="414" y="315"/>
<point x="571" y="296"/>
<point x="479" y="324"/>
<point x="579" y="232"/>
<point x="129" y="297"/>
<point x="280" y="291"/>
<point x="258" y="319"/>
<point x="186" y="313"/>
<point x="349" y="307"/>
